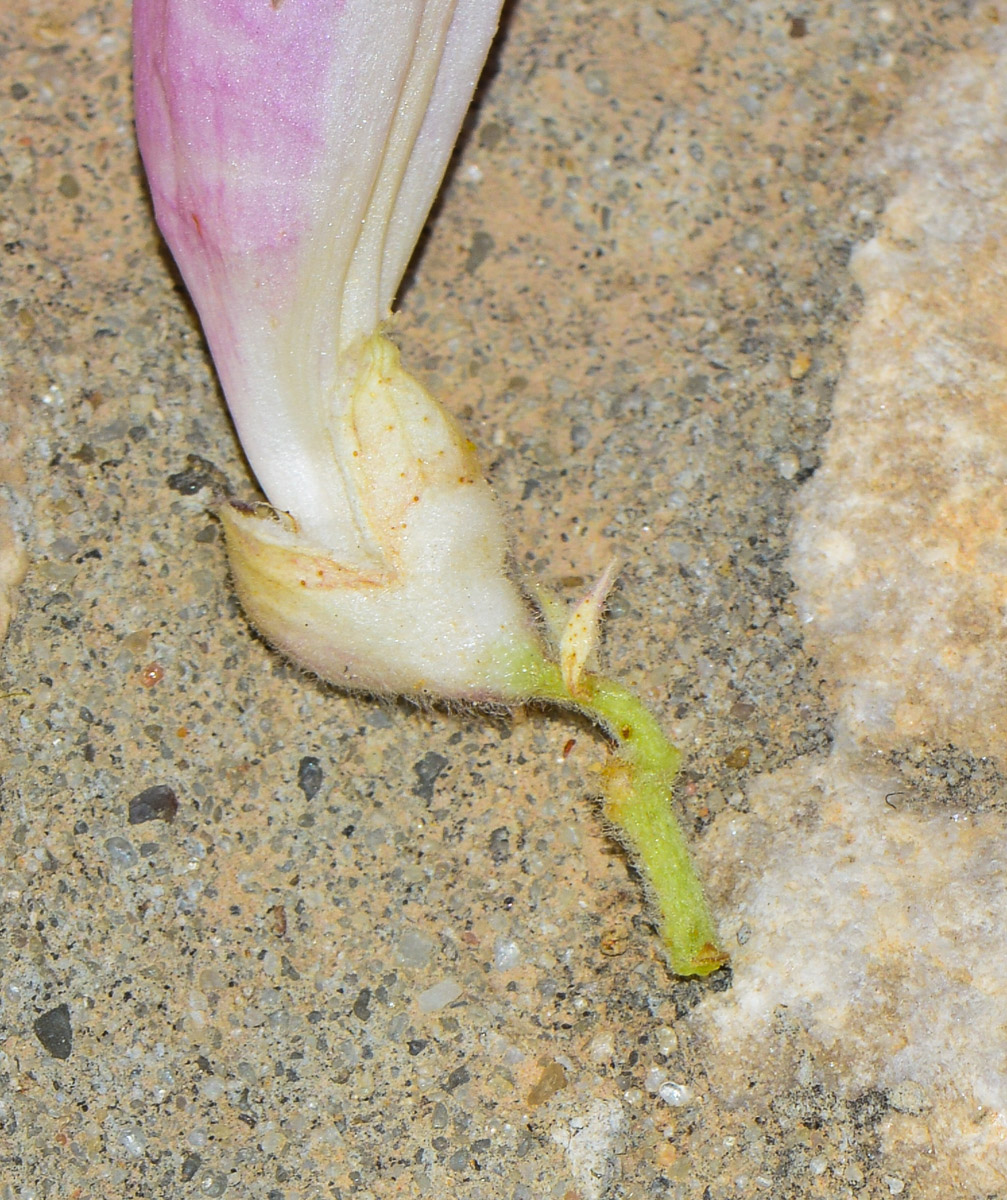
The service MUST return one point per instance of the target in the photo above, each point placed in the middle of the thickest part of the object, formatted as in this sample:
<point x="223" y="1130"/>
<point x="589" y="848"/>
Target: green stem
<point x="637" y="785"/>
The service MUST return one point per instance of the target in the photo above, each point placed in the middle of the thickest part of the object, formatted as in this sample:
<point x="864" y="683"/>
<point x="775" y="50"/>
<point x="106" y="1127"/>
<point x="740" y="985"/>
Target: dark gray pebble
<point x="362" y="1005"/>
<point x="457" y="1077"/>
<point x="157" y="803"/>
<point x="427" y="770"/>
<point x="500" y="845"/>
<point x="199" y="473"/>
<point x="190" y="1166"/>
<point x="53" y="1030"/>
<point x="309" y="776"/>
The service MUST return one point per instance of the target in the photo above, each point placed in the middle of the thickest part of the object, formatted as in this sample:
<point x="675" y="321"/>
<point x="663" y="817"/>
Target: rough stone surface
<point x="878" y="909"/>
<point x="636" y="294"/>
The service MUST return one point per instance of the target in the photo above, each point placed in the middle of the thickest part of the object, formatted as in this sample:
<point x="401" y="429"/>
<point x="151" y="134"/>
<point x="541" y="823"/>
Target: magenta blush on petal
<point x="232" y="114"/>
<point x="293" y="148"/>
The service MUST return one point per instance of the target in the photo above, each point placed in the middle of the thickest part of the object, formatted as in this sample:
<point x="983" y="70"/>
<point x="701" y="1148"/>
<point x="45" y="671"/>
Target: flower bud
<point x="424" y="606"/>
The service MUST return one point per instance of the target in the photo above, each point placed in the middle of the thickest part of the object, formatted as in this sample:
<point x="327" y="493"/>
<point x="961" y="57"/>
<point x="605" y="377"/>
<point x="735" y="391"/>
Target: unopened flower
<point x="293" y="149"/>
<point x="425" y="607"/>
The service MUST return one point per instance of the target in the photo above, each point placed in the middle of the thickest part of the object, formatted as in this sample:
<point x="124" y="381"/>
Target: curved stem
<point x="637" y="784"/>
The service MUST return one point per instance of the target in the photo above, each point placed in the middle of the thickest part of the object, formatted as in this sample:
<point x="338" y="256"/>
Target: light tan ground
<point x="431" y="976"/>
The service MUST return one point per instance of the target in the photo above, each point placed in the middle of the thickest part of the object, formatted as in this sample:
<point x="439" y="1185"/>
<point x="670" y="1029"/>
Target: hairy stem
<point x="637" y="783"/>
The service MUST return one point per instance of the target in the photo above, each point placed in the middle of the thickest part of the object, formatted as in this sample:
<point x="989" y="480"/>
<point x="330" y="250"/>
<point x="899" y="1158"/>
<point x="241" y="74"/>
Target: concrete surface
<point x="355" y="950"/>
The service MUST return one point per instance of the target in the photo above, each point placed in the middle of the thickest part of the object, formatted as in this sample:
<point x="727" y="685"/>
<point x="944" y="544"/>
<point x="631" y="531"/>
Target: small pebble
<point x="213" y="1183"/>
<point x="199" y="474"/>
<point x="675" y="1094"/>
<point x="439" y="996"/>
<point x="362" y="1005"/>
<point x="552" y="1080"/>
<point x="500" y="849"/>
<point x="133" y="1142"/>
<point x="800" y="365"/>
<point x="667" y="1040"/>
<point x="788" y="464"/>
<point x="506" y="955"/>
<point x="738" y="758"/>
<point x="427" y="770"/>
<point x="596" y="81"/>
<point x="459" y="1076"/>
<point x="414" y="948"/>
<point x="461" y="1160"/>
<point x="272" y="1141"/>
<point x="309" y="776"/>
<point x="151" y="675"/>
<point x="602" y="1047"/>
<point x="54" y="1031"/>
<point x="190" y="1165"/>
<point x="480" y="249"/>
<point x="121" y="851"/>
<point x="157" y="803"/>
